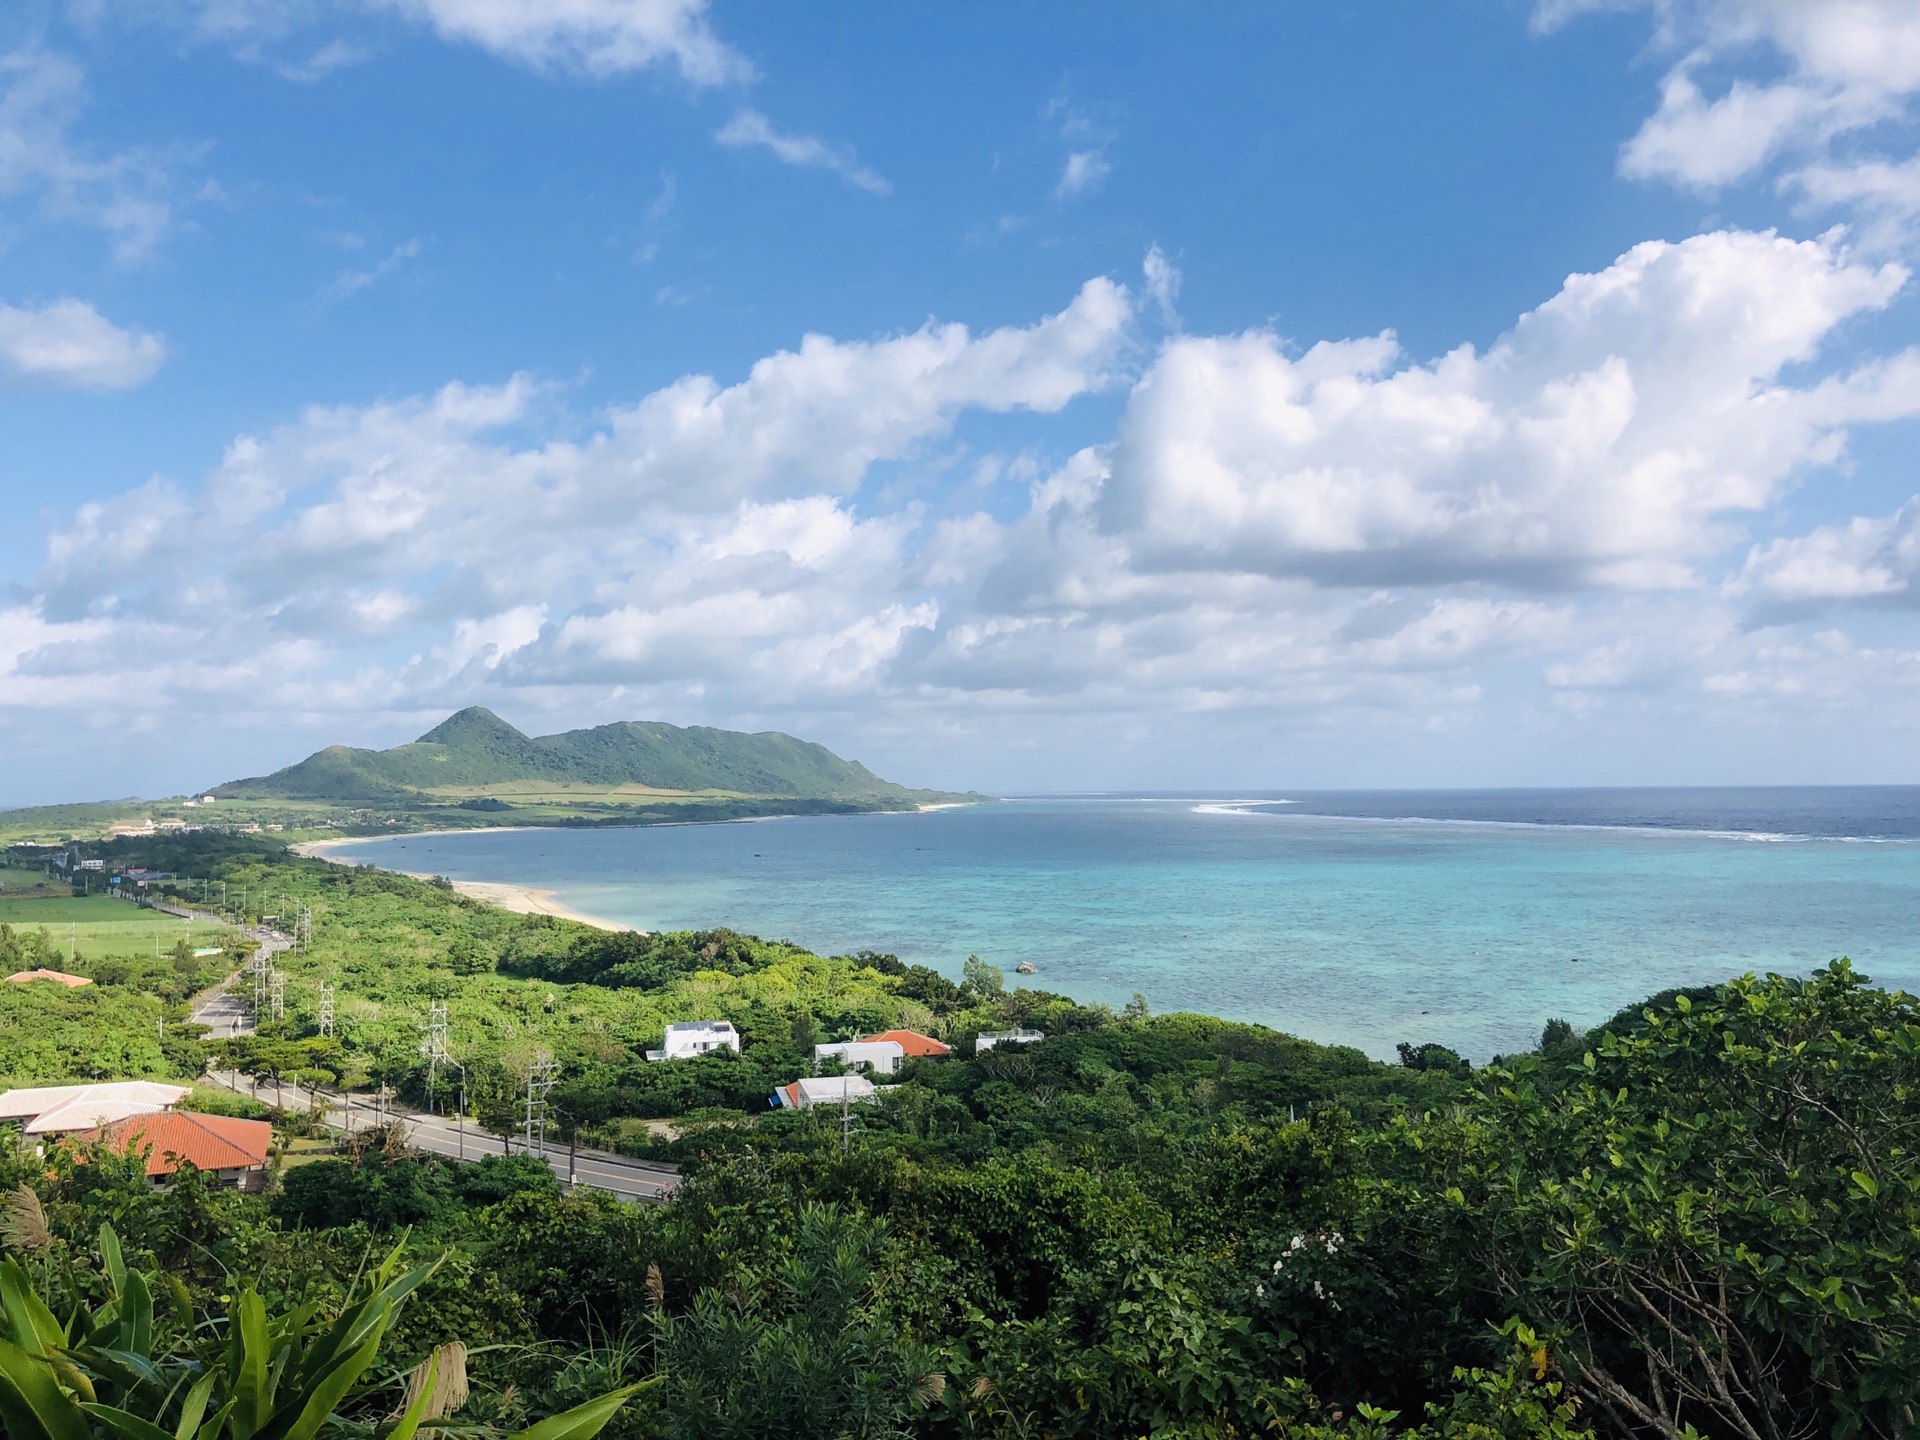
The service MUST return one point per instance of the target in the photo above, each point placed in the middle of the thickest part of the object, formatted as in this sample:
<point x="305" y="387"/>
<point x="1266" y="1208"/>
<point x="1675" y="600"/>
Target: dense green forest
<point x="1700" y="1214"/>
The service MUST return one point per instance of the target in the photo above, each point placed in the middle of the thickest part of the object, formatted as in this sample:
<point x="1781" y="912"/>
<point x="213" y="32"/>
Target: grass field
<point x="16" y="882"/>
<point x="563" y="792"/>
<point x="100" y="926"/>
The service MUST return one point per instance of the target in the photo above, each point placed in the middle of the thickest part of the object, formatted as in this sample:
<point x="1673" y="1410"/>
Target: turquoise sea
<point x="1365" y="918"/>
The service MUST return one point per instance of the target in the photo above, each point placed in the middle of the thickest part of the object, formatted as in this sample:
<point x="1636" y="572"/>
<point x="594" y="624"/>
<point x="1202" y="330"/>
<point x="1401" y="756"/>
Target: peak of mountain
<point x="475" y="725"/>
<point x="474" y="753"/>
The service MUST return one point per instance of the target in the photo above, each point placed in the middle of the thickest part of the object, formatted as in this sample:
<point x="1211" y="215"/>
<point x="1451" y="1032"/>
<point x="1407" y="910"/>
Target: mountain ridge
<point x="475" y="750"/>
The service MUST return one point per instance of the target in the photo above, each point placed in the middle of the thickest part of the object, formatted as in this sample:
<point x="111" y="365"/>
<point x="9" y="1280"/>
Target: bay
<point x="1362" y="918"/>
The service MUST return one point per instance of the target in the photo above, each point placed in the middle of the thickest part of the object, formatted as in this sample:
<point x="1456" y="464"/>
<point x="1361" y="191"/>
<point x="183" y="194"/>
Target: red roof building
<point x="27" y="977"/>
<point x="235" y="1150"/>
<point x="912" y="1043"/>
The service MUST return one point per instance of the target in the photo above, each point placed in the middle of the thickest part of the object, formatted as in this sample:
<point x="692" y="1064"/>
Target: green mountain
<point x="476" y="756"/>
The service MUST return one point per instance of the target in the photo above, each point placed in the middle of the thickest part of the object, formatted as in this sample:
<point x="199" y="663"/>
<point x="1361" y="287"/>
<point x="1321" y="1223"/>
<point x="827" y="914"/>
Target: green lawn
<point x="101" y="926"/>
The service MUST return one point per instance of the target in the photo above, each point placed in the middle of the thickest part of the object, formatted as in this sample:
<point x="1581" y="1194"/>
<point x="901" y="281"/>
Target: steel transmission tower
<point x="540" y="1077"/>
<point x="303" y="928"/>
<point x="277" y="993"/>
<point x="260" y="967"/>
<point x="326" y="1008"/>
<point x="434" y="1047"/>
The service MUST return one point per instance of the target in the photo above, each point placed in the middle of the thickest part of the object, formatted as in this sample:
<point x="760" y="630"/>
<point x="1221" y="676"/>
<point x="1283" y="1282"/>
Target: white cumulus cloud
<point x="1603" y="440"/>
<point x="70" y="343"/>
<point x="1755" y="81"/>
<point x="1868" y="558"/>
<point x="596" y="37"/>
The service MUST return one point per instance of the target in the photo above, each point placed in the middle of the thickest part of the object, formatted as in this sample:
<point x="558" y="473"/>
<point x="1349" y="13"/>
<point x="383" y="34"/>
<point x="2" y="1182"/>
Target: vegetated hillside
<point x="1700" y="1218"/>
<point x="476" y="749"/>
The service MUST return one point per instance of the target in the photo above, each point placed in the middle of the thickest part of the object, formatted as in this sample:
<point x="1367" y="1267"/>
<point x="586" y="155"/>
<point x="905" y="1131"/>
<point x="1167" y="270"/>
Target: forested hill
<point x="476" y="751"/>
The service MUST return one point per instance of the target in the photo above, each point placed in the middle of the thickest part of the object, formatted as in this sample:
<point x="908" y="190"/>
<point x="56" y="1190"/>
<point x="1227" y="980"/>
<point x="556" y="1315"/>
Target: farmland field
<point x="100" y="926"/>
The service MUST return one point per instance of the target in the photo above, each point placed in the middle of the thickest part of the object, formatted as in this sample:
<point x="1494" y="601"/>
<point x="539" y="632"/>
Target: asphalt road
<point x="228" y="1014"/>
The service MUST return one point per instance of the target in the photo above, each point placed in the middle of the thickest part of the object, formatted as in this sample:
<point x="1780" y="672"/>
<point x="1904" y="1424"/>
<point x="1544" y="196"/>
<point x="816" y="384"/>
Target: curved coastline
<point x="519" y="899"/>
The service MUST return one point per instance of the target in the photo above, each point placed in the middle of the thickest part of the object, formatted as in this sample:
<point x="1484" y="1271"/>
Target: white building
<point x="687" y="1038"/>
<point x="882" y="1057"/>
<point x="60" y="1109"/>
<point x="823" y="1090"/>
<point x="991" y="1038"/>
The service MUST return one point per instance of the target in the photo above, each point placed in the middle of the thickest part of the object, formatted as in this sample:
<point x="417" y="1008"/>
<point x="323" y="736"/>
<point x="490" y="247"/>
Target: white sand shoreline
<point x="525" y="900"/>
<point x="519" y="899"/>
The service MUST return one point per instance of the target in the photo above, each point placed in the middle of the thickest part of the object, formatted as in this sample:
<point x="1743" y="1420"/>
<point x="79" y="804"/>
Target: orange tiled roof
<point x="912" y="1042"/>
<point x="211" y="1142"/>
<point x="72" y="982"/>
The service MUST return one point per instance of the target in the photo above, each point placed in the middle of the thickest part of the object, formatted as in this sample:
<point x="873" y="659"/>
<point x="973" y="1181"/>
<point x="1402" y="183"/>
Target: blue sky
<point x="1022" y="397"/>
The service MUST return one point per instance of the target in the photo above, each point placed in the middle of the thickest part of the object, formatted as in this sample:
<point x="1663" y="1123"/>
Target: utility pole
<point x="326" y="1009"/>
<point x="540" y="1078"/>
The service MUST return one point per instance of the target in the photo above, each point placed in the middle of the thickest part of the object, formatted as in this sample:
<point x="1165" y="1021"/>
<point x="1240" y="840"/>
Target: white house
<point x="687" y="1038"/>
<point x="823" y="1090"/>
<point x="882" y="1057"/>
<point x="59" y="1109"/>
<point x="991" y="1038"/>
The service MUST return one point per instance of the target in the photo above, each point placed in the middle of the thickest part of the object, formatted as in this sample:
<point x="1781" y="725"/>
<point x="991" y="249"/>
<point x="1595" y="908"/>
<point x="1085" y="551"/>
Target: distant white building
<point x="688" y="1038"/>
<point x="992" y="1038"/>
<point x="882" y="1057"/>
<point x="59" y="1109"/>
<point x="823" y="1090"/>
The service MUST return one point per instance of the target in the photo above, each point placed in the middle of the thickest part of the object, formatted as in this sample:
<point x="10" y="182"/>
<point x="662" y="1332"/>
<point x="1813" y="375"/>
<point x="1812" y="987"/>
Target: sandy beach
<point x="520" y="899"/>
<point x="524" y="900"/>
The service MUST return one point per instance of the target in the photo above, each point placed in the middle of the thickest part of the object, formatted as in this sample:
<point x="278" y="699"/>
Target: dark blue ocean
<point x="1367" y="918"/>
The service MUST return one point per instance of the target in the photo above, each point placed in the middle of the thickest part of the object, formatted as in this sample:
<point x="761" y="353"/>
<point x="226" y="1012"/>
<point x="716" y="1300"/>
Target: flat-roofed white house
<point x="882" y="1057"/>
<point x="688" y="1038"/>
<point x="814" y="1090"/>
<point x="989" y="1039"/>
<point x="60" y="1109"/>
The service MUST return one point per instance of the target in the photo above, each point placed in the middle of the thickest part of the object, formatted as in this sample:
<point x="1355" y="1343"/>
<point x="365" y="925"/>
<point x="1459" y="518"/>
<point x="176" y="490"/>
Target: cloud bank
<point x="1321" y="532"/>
